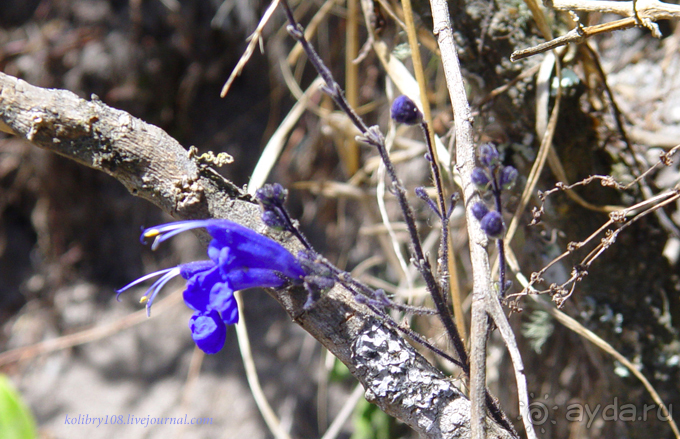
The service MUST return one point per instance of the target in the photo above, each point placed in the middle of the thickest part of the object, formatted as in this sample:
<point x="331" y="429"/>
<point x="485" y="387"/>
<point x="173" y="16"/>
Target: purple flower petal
<point x="201" y="276"/>
<point x="208" y="331"/>
<point x="230" y="312"/>
<point x="254" y="277"/>
<point x="250" y="249"/>
<point x="220" y="297"/>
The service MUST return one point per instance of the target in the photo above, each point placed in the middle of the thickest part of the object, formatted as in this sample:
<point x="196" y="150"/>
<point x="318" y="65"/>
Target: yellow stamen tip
<point x="151" y="233"/>
<point x="143" y="300"/>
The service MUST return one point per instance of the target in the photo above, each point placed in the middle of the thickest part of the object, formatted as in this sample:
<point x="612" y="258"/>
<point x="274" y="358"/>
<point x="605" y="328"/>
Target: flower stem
<point x="496" y="190"/>
<point x="443" y="246"/>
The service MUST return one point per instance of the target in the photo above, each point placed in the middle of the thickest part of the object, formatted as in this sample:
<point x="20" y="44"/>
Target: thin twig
<point x="382" y="208"/>
<point x="430" y="140"/>
<point x="255" y="39"/>
<point x="576" y="35"/>
<point x="639" y="13"/>
<point x="443" y="210"/>
<point x="263" y="406"/>
<point x="664" y="220"/>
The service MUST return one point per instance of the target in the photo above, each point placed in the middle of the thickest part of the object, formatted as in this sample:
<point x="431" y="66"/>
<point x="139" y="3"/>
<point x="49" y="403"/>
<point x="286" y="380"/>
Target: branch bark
<point x="154" y="166"/>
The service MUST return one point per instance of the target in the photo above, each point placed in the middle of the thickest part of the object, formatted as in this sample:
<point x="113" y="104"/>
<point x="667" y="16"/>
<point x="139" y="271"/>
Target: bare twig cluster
<point x="624" y="218"/>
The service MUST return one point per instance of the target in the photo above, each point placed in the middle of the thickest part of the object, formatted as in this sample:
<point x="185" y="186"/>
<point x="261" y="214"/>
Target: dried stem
<point x="373" y="137"/>
<point x="465" y="162"/>
<point x="626" y="217"/>
<point x="483" y="299"/>
<point x="576" y="35"/>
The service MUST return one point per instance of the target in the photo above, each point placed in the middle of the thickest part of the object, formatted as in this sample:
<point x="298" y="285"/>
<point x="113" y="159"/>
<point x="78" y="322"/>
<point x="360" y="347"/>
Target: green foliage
<point x="370" y="422"/>
<point x="16" y="420"/>
<point x="340" y="372"/>
<point x="538" y="329"/>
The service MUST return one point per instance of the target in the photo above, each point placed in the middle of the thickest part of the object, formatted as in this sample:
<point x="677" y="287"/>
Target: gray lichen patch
<point x="391" y="370"/>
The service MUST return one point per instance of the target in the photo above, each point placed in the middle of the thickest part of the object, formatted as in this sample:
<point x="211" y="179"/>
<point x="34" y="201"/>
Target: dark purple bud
<point x="271" y="195"/>
<point x="404" y="110"/>
<point x="479" y="209"/>
<point x="488" y="155"/>
<point x="479" y="178"/>
<point x="273" y="220"/>
<point x="492" y="224"/>
<point x="508" y="177"/>
<point x="421" y="193"/>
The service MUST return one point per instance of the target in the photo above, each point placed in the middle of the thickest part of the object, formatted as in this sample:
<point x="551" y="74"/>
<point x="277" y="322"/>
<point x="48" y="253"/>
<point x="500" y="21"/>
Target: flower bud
<point x="492" y="224"/>
<point x="488" y="155"/>
<point x="479" y="178"/>
<point x="421" y="193"/>
<point x="404" y="110"/>
<point x="273" y="221"/>
<point x="271" y="195"/>
<point x="479" y="209"/>
<point x="508" y="177"/>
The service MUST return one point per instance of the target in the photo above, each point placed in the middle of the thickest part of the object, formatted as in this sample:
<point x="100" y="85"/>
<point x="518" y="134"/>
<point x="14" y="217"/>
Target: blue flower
<point x="239" y="258"/>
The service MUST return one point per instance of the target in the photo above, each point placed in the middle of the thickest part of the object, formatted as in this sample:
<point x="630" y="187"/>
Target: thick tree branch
<point x="156" y="167"/>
